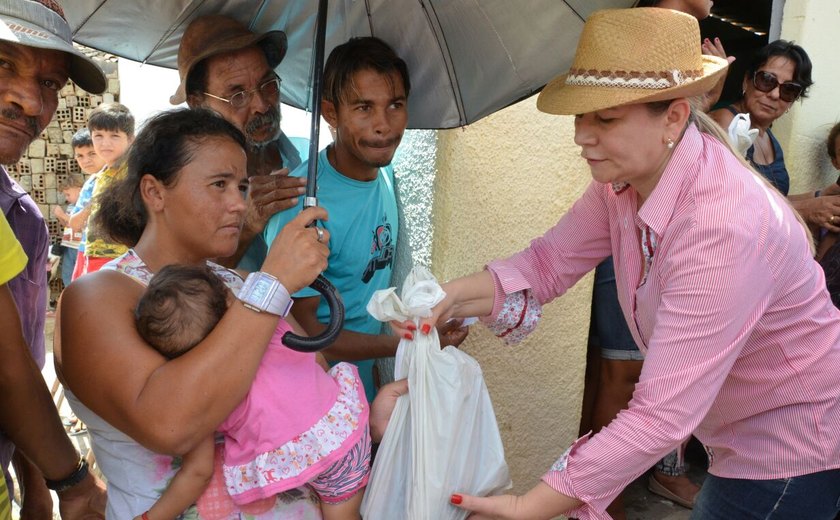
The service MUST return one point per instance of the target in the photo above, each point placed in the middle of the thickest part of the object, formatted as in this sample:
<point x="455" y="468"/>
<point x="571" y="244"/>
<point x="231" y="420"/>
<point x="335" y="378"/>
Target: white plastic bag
<point x="740" y="133"/>
<point x="442" y="437"/>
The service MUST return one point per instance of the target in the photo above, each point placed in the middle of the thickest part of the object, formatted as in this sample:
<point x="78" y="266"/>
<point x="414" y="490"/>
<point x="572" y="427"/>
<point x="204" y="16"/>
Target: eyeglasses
<point x="268" y="90"/>
<point x="766" y="81"/>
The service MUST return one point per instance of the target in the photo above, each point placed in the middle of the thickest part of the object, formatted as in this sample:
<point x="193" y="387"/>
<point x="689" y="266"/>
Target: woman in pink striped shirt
<point x="716" y="280"/>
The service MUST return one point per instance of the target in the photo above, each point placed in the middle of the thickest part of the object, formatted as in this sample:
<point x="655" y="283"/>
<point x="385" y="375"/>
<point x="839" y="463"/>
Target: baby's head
<point x="180" y="307"/>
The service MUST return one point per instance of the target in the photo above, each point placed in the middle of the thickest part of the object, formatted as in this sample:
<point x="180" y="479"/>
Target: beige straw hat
<point x="629" y="56"/>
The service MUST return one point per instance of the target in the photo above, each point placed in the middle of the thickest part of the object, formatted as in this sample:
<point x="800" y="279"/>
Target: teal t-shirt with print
<point x="363" y="225"/>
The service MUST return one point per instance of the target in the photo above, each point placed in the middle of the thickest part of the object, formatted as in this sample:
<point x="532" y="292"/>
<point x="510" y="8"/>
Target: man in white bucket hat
<point x="37" y="57"/>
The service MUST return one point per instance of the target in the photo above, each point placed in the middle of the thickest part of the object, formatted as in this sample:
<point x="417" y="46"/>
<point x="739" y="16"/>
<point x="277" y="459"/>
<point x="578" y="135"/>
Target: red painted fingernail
<point x="426" y="328"/>
<point x="412" y="327"/>
<point x="408" y="335"/>
<point x="456" y="499"/>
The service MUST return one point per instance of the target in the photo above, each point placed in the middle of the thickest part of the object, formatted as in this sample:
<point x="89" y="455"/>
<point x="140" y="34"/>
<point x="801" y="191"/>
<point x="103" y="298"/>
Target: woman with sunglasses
<point x="778" y="75"/>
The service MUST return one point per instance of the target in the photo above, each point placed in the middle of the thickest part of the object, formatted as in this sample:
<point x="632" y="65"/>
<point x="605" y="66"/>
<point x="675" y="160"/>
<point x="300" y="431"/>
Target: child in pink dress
<point x="297" y="425"/>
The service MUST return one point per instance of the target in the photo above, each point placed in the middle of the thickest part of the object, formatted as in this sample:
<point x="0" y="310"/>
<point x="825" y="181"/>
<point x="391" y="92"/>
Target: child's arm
<point x="61" y="215"/>
<point x="187" y="485"/>
<point x="78" y="220"/>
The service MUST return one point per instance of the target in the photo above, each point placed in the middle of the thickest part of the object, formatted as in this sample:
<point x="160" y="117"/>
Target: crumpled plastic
<point x="740" y="133"/>
<point x="442" y="437"/>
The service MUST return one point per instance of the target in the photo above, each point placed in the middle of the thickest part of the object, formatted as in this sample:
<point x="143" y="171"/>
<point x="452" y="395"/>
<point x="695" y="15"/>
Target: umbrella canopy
<point x="467" y="58"/>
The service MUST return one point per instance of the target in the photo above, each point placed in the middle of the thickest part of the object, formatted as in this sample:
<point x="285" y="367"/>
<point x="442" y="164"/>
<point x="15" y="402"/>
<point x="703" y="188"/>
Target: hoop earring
<point x="670" y="144"/>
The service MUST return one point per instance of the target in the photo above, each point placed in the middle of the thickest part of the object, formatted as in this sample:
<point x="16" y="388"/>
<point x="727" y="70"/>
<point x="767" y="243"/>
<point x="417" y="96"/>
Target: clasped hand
<point x="299" y="253"/>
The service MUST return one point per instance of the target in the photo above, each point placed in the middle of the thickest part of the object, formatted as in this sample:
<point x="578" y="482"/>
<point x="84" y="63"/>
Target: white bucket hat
<point x="41" y="24"/>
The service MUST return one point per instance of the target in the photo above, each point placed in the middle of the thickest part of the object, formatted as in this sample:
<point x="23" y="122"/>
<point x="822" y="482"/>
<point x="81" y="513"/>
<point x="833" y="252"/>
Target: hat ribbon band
<point x="640" y="80"/>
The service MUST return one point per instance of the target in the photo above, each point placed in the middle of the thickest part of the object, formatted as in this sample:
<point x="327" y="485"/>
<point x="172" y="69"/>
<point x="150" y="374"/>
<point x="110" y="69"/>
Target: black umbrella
<point x="467" y="58"/>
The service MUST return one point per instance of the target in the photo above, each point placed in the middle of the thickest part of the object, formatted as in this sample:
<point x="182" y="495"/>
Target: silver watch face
<point x="260" y="291"/>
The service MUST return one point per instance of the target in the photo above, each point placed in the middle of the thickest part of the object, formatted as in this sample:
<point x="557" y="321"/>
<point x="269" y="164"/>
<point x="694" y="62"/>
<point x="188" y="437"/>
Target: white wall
<point x="813" y="24"/>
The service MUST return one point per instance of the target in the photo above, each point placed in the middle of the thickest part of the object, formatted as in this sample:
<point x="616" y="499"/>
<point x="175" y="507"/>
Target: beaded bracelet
<point x="70" y="480"/>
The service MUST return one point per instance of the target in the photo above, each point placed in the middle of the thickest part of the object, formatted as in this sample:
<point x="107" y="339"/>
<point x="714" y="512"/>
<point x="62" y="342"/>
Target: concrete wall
<point x="501" y="182"/>
<point x="813" y="25"/>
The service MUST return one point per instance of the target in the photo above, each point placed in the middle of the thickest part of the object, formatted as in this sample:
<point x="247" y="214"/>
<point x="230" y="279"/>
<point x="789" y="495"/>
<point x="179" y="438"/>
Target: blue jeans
<point x="68" y="263"/>
<point x="807" y="497"/>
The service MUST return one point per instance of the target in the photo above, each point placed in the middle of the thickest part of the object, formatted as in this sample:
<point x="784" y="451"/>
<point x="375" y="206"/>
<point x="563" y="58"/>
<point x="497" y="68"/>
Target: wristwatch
<point x="262" y="292"/>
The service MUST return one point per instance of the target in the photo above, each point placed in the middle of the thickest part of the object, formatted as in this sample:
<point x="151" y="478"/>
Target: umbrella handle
<point x="326" y="338"/>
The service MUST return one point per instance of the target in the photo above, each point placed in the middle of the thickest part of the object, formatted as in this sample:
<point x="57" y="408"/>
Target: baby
<point x="297" y="425"/>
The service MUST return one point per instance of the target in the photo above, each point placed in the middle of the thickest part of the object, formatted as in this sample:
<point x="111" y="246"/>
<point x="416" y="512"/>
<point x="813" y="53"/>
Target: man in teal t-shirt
<point x="365" y="96"/>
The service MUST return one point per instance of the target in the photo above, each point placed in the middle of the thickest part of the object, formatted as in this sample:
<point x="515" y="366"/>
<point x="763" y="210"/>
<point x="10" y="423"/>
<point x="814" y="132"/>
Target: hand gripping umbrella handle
<point x="326" y="338"/>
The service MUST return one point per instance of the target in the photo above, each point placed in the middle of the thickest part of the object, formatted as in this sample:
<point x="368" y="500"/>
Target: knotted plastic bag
<point x="740" y="133"/>
<point x="442" y="437"/>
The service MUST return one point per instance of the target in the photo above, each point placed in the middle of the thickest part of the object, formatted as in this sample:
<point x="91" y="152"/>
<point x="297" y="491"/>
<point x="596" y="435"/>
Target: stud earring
<point x="670" y="144"/>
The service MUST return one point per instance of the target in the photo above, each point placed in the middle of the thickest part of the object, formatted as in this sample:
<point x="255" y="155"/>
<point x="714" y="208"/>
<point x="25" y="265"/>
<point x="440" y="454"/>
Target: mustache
<point x="380" y="143"/>
<point x="270" y="117"/>
<point x="14" y="115"/>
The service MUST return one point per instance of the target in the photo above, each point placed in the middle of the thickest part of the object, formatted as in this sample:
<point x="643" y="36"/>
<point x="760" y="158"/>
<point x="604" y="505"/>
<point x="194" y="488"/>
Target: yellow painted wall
<point x="813" y="24"/>
<point x="500" y="183"/>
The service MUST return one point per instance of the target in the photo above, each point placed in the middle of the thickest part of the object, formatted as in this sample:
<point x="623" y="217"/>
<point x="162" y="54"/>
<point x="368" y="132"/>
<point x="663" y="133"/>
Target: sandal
<point x="655" y="487"/>
<point x="77" y="428"/>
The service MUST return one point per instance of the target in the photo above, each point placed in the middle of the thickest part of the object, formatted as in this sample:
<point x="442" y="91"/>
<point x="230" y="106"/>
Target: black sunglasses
<point x="767" y="81"/>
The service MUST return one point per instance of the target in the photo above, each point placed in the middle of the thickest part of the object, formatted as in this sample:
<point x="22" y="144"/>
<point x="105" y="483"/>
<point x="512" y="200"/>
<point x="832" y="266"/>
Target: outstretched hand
<point x="453" y="332"/>
<point x="441" y="313"/>
<point x="383" y="406"/>
<point x="714" y="48"/>
<point x="541" y="502"/>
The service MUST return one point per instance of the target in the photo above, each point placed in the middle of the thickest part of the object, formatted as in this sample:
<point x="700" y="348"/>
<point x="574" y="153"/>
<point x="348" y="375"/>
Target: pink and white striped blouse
<point x="741" y="340"/>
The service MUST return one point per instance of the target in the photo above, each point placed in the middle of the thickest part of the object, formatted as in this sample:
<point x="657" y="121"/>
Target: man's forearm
<point x="27" y="412"/>
<point x="350" y="345"/>
<point x="355" y="346"/>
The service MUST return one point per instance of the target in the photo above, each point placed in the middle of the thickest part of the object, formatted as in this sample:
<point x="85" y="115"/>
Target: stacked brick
<point x="49" y="159"/>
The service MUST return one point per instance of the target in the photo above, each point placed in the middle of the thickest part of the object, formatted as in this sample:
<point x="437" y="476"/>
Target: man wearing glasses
<point x="228" y="69"/>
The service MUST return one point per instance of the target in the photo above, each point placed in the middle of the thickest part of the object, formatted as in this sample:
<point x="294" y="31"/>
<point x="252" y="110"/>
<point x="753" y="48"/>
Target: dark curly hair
<point x="182" y="304"/>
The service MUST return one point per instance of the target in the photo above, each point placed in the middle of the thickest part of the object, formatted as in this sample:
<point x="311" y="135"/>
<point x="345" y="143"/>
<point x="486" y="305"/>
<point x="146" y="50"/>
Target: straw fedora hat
<point x="629" y="56"/>
<point x="209" y="35"/>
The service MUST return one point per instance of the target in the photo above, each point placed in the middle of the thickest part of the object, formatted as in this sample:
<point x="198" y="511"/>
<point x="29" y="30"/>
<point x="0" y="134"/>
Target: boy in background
<point x="111" y="128"/>
<point x="70" y="239"/>
<point x="90" y="164"/>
